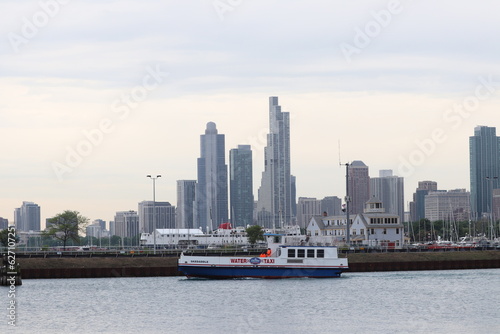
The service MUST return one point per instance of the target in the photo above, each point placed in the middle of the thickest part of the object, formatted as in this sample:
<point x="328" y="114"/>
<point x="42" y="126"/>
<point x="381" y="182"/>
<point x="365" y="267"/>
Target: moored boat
<point x="284" y="261"/>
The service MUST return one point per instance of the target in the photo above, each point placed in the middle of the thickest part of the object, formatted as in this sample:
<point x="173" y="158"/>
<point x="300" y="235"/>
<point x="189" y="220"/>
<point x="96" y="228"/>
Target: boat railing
<point x="225" y="252"/>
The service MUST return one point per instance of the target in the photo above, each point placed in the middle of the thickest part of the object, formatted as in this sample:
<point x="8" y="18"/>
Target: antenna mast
<point x="347" y="200"/>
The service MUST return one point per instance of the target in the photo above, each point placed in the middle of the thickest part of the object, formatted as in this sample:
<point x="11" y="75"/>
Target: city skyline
<point x="94" y="96"/>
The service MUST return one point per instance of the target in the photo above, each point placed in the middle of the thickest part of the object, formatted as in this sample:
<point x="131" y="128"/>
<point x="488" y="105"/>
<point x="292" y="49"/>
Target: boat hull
<point x="216" y="272"/>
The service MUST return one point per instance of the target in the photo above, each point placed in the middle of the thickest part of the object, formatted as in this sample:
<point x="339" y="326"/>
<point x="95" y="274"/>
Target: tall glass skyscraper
<point x="274" y="207"/>
<point x="484" y="168"/>
<point x="359" y="186"/>
<point x="164" y="216"/>
<point x="211" y="189"/>
<point x="27" y="217"/>
<point x="185" y="201"/>
<point x="241" y="186"/>
<point x="390" y="190"/>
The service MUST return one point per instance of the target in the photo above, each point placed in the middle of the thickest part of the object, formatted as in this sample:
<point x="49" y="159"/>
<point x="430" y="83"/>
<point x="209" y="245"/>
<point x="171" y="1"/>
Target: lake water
<point x="454" y="301"/>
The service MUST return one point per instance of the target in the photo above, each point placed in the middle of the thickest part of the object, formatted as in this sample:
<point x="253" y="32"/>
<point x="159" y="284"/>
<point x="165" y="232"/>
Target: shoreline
<point x="96" y="267"/>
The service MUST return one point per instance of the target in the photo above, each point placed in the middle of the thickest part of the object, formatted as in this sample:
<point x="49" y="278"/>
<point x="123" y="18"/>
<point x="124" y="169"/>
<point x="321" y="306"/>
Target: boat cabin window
<point x="277" y="239"/>
<point x="310" y="253"/>
<point x="301" y="253"/>
<point x="321" y="253"/>
<point x="291" y="252"/>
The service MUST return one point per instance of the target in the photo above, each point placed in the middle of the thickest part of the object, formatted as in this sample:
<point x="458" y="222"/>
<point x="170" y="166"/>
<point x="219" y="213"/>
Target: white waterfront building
<point x="374" y="227"/>
<point x="195" y="237"/>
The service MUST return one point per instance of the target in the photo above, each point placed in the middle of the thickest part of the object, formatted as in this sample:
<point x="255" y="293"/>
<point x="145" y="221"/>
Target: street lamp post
<point x="154" y="209"/>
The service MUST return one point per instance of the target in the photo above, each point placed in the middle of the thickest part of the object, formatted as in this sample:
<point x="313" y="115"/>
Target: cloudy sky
<point x="96" y="94"/>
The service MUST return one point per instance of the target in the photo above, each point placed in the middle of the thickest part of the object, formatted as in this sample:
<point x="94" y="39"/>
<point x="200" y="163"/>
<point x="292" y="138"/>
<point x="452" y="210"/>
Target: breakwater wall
<point x="85" y="267"/>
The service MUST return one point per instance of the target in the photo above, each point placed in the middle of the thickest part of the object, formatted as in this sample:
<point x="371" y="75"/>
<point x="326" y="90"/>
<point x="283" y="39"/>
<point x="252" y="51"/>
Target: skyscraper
<point x="417" y="207"/>
<point x="275" y="193"/>
<point x="307" y="208"/>
<point x="331" y="205"/>
<point x="185" y="203"/>
<point x="484" y="168"/>
<point x="390" y="190"/>
<point x="27" y="217"/>
<point x="211" y="201"/>
<point x="450" y="206"/>
<point x="164" y="216"/>
<point x="241" y="185"/>
<point x="359" y="186"/>
<point x="126" y="224"/>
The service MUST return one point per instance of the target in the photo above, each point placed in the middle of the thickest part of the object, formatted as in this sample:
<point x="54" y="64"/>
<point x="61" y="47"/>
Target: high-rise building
<point x="4" y="223"/>
<point x="164" y="216"/>
<point x="275" y="193"/>
<point x="101" y="223"/>
<point x="293" y="191"/>
<point x="496" y="204"/>
<point x="94" y="230"/>
<point x="18" y="223"/>
<point x="27" y="217"/>
<point x="126" y="224"/>
<point x="306" y="209"/>
<point x="241" y="185"/>
<point x="417" y="207"/>
<point x="390" y="190"/>
<point x="112" y="229"/>
<point x="185" y="203"/>
<point x="359" y="186"/>
<point x="211" y="202"/>
<point x="484" y="149"/>
<point x="451" y="206"/>
<point x="331" y="205"/>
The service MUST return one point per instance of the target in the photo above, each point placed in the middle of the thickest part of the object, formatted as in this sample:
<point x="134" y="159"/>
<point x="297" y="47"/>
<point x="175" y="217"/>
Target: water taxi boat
<point x="285" y="261"/>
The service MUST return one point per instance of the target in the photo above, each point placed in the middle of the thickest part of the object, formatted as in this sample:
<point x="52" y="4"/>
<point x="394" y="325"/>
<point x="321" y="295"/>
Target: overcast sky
<point x="96" y="94"/>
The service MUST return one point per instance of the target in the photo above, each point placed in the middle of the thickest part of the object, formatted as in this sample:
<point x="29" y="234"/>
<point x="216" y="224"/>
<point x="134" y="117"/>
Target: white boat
<point x="285" y="261"/>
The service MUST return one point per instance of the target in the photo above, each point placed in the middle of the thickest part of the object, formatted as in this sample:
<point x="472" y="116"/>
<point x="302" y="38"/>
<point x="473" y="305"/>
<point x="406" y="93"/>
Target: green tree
<point x="66" y="226"/>
<point x="255" y="233"/>
<point x="4" y="238"/>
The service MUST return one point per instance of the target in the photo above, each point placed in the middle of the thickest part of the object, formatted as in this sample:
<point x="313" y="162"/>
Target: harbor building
<point x="484" y="149"/>
<point x="164" y="215"/>
<point x="390" y="190"/>
<point x="211" y="195"/>
<point x="183" y="238"/>
<point x="241" y="186"/>
<point x="274" y="206"/>
<point x="359" y="186"/>
<point x="185" y="203"/>
<point x="374" y="227"/>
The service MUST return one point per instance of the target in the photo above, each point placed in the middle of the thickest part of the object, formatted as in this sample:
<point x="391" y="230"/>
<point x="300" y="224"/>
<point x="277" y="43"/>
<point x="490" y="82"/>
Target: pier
<point x="87" y="265"/>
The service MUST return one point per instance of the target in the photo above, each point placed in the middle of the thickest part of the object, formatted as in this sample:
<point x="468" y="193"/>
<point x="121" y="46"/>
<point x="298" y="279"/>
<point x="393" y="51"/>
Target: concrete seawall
<point x="84" y="267"/>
